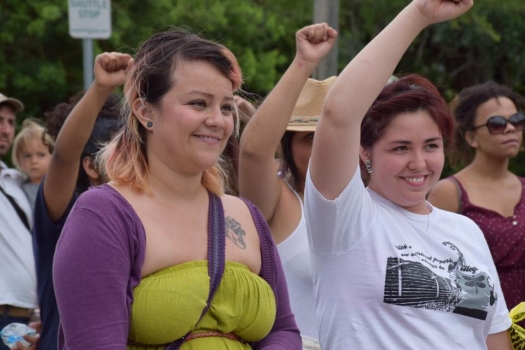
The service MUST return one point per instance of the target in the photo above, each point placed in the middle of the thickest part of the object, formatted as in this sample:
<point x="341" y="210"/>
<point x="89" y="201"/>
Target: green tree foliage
<point x="42" y="65"/>
<point x="487" y="43"/>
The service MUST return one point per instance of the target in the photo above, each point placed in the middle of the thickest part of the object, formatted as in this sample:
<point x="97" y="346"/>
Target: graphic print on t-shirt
<point x="447" y="284"/>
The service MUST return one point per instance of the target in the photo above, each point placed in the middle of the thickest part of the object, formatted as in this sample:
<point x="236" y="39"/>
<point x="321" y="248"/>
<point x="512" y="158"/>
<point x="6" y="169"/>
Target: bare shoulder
<point x="235" y="205"/>
<point x="240" y="227"/>
<point x="242" y="239"/>
<point x="444" y="195"/>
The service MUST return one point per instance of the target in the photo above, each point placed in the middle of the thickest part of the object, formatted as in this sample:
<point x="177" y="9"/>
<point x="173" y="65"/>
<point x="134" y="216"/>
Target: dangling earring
<point x="149" y="124"/>
<point x="368" y="166"/>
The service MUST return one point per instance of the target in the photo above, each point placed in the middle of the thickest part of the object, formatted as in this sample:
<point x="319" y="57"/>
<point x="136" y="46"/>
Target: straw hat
<point x="309" y="106"/>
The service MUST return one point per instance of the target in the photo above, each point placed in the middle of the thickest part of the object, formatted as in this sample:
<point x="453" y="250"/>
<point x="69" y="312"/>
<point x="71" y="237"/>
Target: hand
<point x="314" y="42"/>
<point x="111" y="69"/>
<point x="246" y="108"/>
<point x="442" y="10"/>
<point x="33" y="340"/>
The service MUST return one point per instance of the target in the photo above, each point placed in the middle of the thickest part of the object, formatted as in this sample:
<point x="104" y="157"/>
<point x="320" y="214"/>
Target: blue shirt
<point x="45" y="237"/>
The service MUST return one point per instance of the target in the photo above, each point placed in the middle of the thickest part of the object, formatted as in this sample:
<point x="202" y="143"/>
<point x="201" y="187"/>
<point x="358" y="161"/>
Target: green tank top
<point x="168" y="303"/>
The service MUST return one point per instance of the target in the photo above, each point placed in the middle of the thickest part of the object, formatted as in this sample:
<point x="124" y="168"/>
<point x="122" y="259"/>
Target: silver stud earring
<point x="368" y="166"/>
<point x="149" y="124"/>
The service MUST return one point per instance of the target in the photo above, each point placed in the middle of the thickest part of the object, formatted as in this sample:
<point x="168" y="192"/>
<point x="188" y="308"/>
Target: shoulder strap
<point x="216" y="255"/>
<point x="296" y="194"/>
<point x="268" y="256"/>
<point x="19" y="211"/>
<point x="458" y="190"/>
<point x="216" y="246"/>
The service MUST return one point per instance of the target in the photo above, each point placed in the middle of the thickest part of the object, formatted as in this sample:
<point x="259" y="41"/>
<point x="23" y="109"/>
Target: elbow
<point x="246" y="149"/>
<point x="60" y="157"/>
<point x="333" y="114"/>
<point x="253" y="151"/>
<point x="329" y="110"/>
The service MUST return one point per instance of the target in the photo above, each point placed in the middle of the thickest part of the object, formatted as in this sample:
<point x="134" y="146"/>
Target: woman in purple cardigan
<point x="131" y="267"/>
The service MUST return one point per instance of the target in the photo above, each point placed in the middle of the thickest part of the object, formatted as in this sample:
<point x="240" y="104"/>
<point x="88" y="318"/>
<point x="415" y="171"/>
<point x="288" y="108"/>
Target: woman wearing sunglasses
<point x="489" y="133"/>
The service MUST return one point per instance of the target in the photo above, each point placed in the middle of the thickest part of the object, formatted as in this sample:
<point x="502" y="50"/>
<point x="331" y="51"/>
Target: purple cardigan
<point x="98" y="263"/>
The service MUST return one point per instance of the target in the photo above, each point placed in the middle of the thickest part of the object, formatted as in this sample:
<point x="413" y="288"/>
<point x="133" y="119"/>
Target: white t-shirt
<point x="17" y="264"/>
<point x="383" y="281"/>
<point x="295" y="258"/>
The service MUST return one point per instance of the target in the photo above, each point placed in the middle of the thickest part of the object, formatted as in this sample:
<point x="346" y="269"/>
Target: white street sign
<point x="90" y="19"/>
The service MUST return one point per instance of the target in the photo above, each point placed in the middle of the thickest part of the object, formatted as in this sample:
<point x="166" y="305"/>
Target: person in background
<point x="31" y="154"/>
<point x="91" y="122"/>
<point x="390" y="270"/>
<point x="244" y="111"/>
<point x="288" y="116"/>
<point x="17" y="265"/>
<point x="490" y="119"/>
<point x="160" y="256"/>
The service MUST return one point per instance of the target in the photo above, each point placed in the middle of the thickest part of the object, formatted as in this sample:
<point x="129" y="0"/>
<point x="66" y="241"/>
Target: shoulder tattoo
<point x="235" y="232"/>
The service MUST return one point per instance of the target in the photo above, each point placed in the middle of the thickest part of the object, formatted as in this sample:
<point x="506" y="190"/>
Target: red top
<point x="506" y="239"/>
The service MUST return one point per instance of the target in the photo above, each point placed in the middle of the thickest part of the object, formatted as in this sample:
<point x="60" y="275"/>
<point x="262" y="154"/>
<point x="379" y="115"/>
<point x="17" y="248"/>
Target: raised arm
<point x="258" y="180"/>
<point x="337" y="137"/>
<point x="60" y="181"/>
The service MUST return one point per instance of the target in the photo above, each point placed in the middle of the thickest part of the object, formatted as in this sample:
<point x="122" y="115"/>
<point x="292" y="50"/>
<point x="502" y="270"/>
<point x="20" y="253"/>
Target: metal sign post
<point x="327" y="11"/>
<point x="88" y="20"/>
<point x="87" y="62"/>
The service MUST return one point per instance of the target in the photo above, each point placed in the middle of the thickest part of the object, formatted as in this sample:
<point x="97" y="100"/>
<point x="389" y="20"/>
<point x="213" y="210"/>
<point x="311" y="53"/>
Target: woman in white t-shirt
<point x="279" y="194"/>
<point x="390" y="271"/>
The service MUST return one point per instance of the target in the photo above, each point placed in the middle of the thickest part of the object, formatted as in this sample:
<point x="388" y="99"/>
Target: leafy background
<point x="42" y="65"/>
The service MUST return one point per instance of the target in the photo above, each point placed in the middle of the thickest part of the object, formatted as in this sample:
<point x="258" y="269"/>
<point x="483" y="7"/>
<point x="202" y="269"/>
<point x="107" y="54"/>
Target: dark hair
<point x="230" y="161"/>
<point x="408" y="94"/>
<point x="464" y="108"/>
<point x="106" y="126"/>
<point x="160" y="54"/>
<point x="288" y="165"/>
<point x="150" y="79"/>
<point x="55" y="118"/>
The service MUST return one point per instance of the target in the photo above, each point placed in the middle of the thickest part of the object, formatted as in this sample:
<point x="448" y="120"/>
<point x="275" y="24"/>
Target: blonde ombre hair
<point x="125" y="159"/>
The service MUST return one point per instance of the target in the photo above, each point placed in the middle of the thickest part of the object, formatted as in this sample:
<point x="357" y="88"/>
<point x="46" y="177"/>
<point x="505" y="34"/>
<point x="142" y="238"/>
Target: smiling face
<point x="407" y="160"/>
<point x="34" y="159"/>
<point x="193" y="120"/>
<point x="499" y="146"/>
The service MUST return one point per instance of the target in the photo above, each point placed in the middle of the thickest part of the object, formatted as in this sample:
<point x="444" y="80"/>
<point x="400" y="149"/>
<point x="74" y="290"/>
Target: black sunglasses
<point x="497" y="124"/>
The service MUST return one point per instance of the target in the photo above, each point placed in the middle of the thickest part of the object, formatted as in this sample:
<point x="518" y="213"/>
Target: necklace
<point x="429" y="210"/>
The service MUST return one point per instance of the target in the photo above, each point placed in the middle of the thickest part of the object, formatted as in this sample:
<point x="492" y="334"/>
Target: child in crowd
<point x="32" y="150"/>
